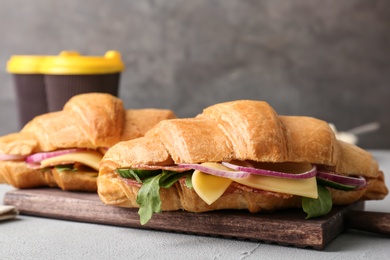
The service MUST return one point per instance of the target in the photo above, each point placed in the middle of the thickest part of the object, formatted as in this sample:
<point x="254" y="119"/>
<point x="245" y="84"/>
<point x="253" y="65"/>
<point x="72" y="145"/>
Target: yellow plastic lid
<point x="72" y="63"/>
<point x="19" y="64"/>
<point x="66" y="63"/>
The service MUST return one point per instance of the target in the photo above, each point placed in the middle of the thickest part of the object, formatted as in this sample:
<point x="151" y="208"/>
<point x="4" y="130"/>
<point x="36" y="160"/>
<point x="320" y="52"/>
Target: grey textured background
<point x="329" y="59"/>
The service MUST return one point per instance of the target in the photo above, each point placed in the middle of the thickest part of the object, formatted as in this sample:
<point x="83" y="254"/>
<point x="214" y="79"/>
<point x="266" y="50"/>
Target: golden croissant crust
<point x="237" y="130"/>
<point x="93" y="121"/>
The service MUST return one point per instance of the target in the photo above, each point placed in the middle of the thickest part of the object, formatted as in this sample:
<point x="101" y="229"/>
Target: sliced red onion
<point x="38" y="157"/>
<point x="358" y="181"/>
<point x="308" y="174"/>
<point x="12" y="157"/>
<point x="214" y="171"/>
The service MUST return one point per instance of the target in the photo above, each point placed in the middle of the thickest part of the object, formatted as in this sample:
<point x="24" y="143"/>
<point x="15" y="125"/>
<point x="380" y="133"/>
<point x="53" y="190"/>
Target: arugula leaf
<point x="320" y="206"/>
<point x="170" y="178"/>
<point x="148" y="198"/>
<point x="137" y="174"/>
<point x="335" y="185"/>
<point x="142" y="174"/>
<point x="189" y="180"/>
<point x="65" y="167"/>
<point x="128" y="174"/>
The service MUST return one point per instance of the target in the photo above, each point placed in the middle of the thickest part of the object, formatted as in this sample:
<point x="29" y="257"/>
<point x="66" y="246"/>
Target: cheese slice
<point x="302" y="187"/>
<point x="209" y="187"/>
<point x="89" y="158"/>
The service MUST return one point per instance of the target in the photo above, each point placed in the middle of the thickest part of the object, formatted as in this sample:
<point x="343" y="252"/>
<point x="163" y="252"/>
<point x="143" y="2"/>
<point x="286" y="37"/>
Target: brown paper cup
<point x="30" y="96"/>
<point x="60" y="88"/>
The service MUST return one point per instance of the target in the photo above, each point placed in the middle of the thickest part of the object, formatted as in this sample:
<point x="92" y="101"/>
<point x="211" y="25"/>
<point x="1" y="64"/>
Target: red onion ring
<point x="308" y="174"/>
<point x="213" y="171"/>
<point x="358" y="181"/>
<point x="38" y="157"/>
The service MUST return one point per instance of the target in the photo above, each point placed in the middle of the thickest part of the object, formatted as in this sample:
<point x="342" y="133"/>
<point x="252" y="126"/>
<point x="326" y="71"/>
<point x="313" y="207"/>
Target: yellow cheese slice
<point x="210" y="187"/>
<point x="301" y="187"/>
<point x="89" y="158"/>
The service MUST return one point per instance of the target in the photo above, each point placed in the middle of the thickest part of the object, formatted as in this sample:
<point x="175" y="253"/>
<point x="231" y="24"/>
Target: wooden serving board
<point x="286" y="227"/>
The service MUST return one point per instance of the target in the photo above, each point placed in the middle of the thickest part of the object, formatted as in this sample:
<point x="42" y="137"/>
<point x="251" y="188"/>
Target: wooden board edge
<point x="287" y="228"/>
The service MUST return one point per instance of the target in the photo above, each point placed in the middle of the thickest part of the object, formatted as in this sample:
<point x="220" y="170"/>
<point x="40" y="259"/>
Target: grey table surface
<point x="29" y="237"/>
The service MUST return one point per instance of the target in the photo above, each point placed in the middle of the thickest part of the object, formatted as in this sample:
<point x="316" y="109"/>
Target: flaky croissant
<point x="244" y="131"/>
<point x="93" y="121"/>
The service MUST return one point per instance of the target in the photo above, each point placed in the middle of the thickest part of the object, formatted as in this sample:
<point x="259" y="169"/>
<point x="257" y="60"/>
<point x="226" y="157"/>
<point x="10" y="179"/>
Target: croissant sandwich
<point x="238" y="155"/>
<point x="63" y="149"/>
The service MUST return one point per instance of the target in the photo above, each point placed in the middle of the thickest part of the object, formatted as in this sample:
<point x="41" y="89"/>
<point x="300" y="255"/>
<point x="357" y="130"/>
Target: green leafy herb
<point x="189" y="180"/>
<point x="170" y="178"/>
<point x="320" y="206"/>
<point x="336" y="185"/>
<point x="148" y="197"/>
<point x="136" y="174"/>
<point x="66" y="168"/>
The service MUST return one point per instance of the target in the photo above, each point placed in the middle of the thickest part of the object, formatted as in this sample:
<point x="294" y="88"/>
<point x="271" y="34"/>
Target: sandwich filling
<point x="212" y="180"/>
<point x="63" y="160"/>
